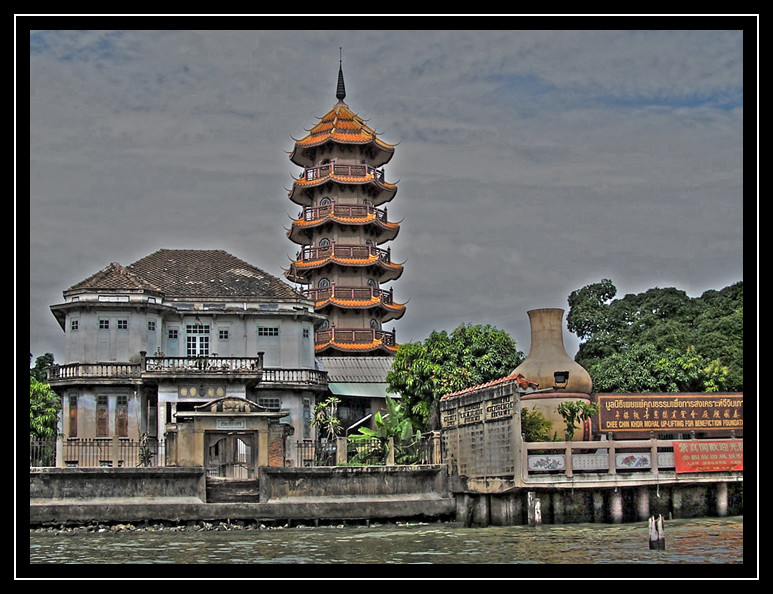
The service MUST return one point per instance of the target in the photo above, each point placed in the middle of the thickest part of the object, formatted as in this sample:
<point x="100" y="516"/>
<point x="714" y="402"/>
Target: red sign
<point x="705" y="455"/>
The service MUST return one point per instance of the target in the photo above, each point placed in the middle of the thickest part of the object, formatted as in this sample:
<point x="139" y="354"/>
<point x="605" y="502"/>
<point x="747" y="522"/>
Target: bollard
<point x="534" y="509"/>
<point x="657" y="533"/>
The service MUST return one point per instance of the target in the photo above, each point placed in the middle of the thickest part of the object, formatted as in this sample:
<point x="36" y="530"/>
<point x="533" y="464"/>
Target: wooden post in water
<point x="657" y="533"/>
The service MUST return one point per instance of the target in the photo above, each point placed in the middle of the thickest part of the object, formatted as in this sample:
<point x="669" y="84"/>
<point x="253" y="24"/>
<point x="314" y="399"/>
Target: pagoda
<point x="342" y="229"/>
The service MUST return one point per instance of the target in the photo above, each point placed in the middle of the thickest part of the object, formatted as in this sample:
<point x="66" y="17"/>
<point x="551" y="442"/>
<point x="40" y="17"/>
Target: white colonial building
<point x="175" y="330"/>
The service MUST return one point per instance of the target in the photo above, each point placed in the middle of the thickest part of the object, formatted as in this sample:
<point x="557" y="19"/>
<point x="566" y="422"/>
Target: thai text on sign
<point x="649" y="412"/>
<point x="704" y="455"/>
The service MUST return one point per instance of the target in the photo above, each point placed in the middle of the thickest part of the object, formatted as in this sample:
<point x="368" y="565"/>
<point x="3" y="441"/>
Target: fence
<point x="365" y="452"/>
<point x="110" y="453"/>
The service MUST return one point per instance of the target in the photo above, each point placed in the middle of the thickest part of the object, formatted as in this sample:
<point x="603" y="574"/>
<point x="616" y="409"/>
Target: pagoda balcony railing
<point x="321" y="171"/>
<point x="354" y="336"/>
<point x="353" y="252"/>
<point x="350" y="294"/>
<point x="349" y="211"/>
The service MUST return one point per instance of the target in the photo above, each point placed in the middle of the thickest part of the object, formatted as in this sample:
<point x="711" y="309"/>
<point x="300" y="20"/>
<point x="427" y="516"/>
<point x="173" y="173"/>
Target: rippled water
<point x="690" y="541"/>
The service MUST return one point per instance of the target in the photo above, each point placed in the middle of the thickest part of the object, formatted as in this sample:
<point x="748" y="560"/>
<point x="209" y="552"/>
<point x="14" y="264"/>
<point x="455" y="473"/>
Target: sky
<point x="529" y="162"/>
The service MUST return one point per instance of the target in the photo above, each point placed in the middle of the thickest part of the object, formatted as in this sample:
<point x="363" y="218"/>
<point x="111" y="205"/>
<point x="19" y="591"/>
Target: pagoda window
<point x="325" y="201"/>
<point x="374" y="324"/>
<point x="324" y="242"/>
<point x="323" y="282"/>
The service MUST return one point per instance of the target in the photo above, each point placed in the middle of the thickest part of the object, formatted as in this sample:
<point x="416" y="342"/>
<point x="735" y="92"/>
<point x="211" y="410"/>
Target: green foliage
<point x="575" y="412"/>
<point x="394" y="425"/>
<point x="659" y="340"/>
<point x="422" y="372"/>
<point x="535" y="427"/>
<point x="42" y="363"/>
<point x="325" y="417"/>
<point x="146" y="453"/>
<point x="44" y="410"/>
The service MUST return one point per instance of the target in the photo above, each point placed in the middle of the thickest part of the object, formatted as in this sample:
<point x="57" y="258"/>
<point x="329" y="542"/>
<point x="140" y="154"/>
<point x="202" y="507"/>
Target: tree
<point x="44" y="410"/>
<point x="422" y="372"/>
<point x="326" y="417"/>
<point x="659" y="340"/>
<point x="42" y="363"/>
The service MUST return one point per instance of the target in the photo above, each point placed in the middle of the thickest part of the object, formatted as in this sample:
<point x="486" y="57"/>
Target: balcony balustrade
<point x="155" y="367"/>
<point x="327" y="169"/>
<point x="347" y="211"/>
<point x="361" y="294"/>
<point x="346" y="252"/>
<point x="354" y="336"/>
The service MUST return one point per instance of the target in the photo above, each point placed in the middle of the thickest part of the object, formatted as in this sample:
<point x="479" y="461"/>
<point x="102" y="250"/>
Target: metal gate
<point x="231" y="454"/>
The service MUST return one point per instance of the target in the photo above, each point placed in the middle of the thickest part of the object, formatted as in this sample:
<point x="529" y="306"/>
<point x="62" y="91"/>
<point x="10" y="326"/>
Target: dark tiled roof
<point x="197" y="274"/>
<point x="115" y="278"/>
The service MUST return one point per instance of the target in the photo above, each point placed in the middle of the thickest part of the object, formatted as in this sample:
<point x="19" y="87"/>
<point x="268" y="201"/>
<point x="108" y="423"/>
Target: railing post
<point x="654" y="453"/>
<point x="568" y="459"/>
<point x="116" y="452"/>
<point x="341" y="451"/>
<point x="59" y="460"/>
<point x="436" y="457"/>
<point x="390" y="458"/>
<point x="612" y="456"/>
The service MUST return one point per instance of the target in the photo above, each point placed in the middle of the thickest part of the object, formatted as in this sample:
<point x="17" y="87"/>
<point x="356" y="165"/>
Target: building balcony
<point x="328" y="169"/>
<point x="379" y="192"/>
<point x="355" y="340"/>
<point x="345" y="214"/>
<point x="356" y="298"/>
<point x="150" y="370"/>
<point x="358" y="256"/>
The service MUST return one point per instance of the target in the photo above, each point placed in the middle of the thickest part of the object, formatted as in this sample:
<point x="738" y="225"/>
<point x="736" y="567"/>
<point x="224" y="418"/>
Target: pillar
<point x="482" y="510"/>
<point x="721" y="499"/>
<point x="676" y="501"/>
<point x="559" y="517"/>
<point x="598" y="507"/>
<point x="643" y="503"/>
<point x="616" y="506"/>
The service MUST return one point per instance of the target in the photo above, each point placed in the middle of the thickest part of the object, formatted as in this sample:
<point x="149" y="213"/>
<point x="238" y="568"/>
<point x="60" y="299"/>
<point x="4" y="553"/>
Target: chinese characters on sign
<point x="498" y="408"/>
<point x="645" y="412"/>
<point x="703" y="455"/>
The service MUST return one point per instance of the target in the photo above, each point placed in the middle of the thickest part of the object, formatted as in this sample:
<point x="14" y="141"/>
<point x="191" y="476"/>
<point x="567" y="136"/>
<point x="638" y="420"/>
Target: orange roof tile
<point x="517" y="377"/>
<point x="342" y="125"/>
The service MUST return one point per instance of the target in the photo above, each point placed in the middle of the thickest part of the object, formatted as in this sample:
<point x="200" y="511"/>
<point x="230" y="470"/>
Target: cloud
<point x="529" y="163"/>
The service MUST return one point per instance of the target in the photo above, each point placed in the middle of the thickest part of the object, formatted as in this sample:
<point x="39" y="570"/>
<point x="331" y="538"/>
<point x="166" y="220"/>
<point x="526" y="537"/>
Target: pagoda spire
<point x="341" y="89"/>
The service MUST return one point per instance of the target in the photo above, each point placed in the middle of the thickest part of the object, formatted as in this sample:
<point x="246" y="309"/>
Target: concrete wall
<point x="112" y="483"/>
<point x="286" y="484"/>
<point x="119" y="495"/>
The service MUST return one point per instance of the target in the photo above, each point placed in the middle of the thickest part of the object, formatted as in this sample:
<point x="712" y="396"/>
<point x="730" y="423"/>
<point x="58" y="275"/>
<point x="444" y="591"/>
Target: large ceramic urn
<point x="547" y="356"/>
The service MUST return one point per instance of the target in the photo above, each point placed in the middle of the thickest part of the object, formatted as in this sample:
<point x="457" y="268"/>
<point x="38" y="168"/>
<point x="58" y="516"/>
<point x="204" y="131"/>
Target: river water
<point x="688" y="542"/>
